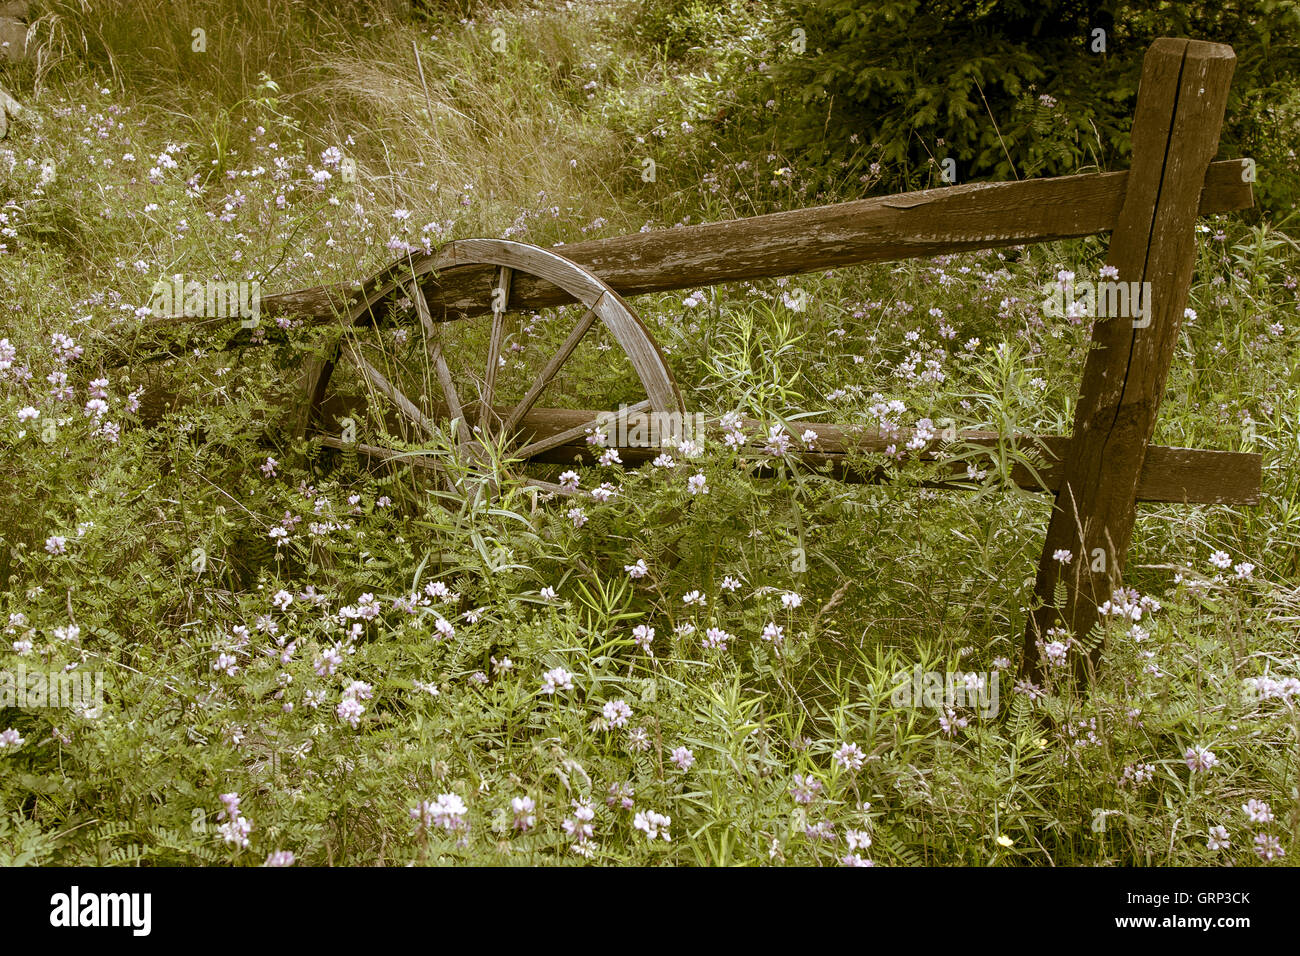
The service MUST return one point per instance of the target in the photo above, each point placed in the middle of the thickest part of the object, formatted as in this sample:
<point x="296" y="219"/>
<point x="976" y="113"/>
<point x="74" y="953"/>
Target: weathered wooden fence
<point x="1107" y="465"/>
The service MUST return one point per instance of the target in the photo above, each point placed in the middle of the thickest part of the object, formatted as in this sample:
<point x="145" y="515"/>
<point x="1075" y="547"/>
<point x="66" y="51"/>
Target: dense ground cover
<point x="304" y="657"/>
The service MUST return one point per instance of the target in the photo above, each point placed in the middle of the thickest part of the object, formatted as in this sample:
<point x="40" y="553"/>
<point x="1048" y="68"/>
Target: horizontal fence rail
<point x="1169" y="474"/>
<point x="903" y="226"/>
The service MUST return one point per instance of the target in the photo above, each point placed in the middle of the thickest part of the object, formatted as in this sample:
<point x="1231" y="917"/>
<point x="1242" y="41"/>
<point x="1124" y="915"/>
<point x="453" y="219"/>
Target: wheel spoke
<point x="373" y="375"/>
<point x="433" y="343"/>
<point x="549" y="372"/>
<point x="500" y="296"/>
<point x="577" y="431"/>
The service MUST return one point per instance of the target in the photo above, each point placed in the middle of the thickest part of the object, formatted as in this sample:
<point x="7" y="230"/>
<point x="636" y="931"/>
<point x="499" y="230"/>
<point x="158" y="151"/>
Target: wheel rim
<point x="496" y="406"/>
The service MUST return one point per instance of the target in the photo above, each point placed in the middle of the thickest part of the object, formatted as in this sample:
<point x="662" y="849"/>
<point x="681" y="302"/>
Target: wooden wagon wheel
<point x="449" y="377"/>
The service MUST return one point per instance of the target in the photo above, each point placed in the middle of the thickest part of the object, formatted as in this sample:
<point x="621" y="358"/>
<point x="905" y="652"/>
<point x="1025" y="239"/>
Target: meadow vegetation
<point x="308" y="660"/>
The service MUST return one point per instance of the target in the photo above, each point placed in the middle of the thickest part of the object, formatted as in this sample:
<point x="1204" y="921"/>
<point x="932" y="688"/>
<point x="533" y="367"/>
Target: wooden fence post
<point x="1181" y="101"/>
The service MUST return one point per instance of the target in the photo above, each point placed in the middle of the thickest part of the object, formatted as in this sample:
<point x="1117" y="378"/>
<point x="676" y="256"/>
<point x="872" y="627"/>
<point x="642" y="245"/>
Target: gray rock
<point x="8" y="107"/>
<point x="14" y="34"/>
